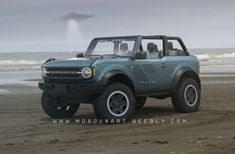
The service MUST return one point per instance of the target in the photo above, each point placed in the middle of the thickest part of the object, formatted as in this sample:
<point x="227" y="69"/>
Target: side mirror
<point x="80" y="55"/>
<point x="141" y="55"/>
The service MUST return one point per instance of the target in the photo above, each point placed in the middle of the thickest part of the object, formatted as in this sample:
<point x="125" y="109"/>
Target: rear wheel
<point x="140" y="101"/>
<point x="57" y="108"/>
<point x="117" y="102"/>
<point x="187" y="96"/>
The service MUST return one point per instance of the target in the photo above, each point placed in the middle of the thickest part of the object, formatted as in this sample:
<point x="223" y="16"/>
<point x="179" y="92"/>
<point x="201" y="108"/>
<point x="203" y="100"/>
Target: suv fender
<point x="118" y="76"/>
<point x="183" y="72"/>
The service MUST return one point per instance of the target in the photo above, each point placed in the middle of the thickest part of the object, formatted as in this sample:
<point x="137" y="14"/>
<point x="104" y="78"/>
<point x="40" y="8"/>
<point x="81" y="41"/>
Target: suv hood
<point x="72" y="62"/>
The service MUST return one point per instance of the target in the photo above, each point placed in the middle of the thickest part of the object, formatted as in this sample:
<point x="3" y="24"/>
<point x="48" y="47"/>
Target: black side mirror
<point x="80" y="55"/>
<point x="141" y="55"/>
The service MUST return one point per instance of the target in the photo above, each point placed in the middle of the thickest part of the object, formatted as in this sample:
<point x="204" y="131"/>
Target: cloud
<point x="32" y="21"/>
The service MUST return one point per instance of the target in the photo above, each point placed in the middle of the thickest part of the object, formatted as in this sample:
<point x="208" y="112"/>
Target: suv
<point x="117" y="74"/>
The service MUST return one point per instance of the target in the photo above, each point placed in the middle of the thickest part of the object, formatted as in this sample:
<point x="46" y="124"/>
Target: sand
<point x="25" y="128"/>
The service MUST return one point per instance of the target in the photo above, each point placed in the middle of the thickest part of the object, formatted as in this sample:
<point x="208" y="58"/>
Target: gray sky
<point x="32" y="25"/>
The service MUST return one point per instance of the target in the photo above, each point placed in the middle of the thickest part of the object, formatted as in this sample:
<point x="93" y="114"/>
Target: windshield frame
<point x="94" y="42"/>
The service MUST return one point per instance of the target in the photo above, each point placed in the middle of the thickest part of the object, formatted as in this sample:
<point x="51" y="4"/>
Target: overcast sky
<point x="32" y="25"/>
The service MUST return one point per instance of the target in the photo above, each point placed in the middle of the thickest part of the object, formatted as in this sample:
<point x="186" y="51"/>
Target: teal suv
<point x="117" y="74"/>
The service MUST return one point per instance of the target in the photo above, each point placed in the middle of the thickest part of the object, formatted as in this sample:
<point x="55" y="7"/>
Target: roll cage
<point x="138" y="45"/>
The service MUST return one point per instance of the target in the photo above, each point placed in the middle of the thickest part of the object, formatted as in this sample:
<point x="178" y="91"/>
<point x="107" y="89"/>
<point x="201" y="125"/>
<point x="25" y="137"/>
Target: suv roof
<point x="142" y="36"/>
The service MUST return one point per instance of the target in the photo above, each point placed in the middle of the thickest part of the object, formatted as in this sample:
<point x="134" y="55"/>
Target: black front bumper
<point x="81" y="92"/>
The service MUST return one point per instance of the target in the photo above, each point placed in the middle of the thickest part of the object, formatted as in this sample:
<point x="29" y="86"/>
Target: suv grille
<point x="64" y="73"/>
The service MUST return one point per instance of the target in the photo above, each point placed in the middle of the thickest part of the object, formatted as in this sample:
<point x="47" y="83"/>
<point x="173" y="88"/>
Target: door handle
<point x="163" y="65"/>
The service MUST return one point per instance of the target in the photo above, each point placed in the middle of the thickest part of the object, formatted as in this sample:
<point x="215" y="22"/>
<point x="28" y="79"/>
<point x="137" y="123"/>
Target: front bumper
<point x="81" y="92"/>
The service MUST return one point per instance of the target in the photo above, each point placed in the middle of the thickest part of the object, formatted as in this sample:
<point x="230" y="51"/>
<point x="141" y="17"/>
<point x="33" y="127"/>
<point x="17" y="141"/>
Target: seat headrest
<point x="156" y="48"/>
<point x="151" y="47"/>
<point x="170" y="45"/>
<point x="124" y="47"/>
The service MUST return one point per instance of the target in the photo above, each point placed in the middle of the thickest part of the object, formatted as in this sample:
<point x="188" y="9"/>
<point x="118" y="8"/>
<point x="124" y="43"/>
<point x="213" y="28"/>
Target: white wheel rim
<point x="190" y="95"/>
<point x="110" y="106"/>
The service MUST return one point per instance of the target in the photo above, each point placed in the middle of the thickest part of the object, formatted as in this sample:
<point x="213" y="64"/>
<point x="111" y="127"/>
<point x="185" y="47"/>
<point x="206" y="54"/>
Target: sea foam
<point x="226" y="55"/>
<point x="20" y="62"/>
<point x="4" y="91"/>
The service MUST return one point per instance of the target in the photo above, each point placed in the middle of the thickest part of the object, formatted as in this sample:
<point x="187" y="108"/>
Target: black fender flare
<point x="110" y="74"/>
<point x="126" y="80"/>
<point x="180" y="73"/>
<point x="48" y="60"/>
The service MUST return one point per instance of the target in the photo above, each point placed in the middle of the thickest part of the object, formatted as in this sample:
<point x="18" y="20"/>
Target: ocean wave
<point x="205" y="57"/>
<point x="20" y="62"/>
<point x="5" y="68"/>
<point x="227" y="55"/>
<point x="4" y="91"/>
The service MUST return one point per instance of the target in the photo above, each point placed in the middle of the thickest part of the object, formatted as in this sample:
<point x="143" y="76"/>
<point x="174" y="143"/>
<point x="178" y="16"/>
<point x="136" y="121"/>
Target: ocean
<point x="23" y="69"/>
<point x="216" y="62"/>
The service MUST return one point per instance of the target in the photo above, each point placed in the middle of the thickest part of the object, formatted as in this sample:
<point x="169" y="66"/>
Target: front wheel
<point x="187" y="97"/>
<point x="117" y="102"/>
<point x="57" y="108"/>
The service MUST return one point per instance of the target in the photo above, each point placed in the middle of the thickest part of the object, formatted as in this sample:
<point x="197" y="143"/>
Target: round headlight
<point x="43" y="72"/>
<point x="86" y="72"/>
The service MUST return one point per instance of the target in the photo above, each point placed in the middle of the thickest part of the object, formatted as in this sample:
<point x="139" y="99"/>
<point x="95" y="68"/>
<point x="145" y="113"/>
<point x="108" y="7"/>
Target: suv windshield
<point x="111" y="46"/>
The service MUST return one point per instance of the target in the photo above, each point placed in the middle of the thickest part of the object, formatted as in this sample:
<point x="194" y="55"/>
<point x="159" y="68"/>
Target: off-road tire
<point x="180" y="97"/>
<point x="103" y="109"/>
<point x="49" y="107"/>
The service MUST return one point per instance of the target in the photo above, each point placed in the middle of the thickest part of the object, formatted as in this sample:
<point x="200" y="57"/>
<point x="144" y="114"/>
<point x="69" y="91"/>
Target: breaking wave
<point x="205" y="57"/>
<point x="226" y="55"/>
<point x="20" y="65"/>
<point x="19" y="62"/>
<point x="4" y="91"/>
<point x="33" y="64"/>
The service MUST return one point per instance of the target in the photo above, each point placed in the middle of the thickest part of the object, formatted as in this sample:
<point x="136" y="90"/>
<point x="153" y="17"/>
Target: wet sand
<point x="24" y="128"/>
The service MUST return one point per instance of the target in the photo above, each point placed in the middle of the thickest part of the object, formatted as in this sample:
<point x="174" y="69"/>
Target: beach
<point x="156" y="128"/>
<point x="26" y="129"/>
